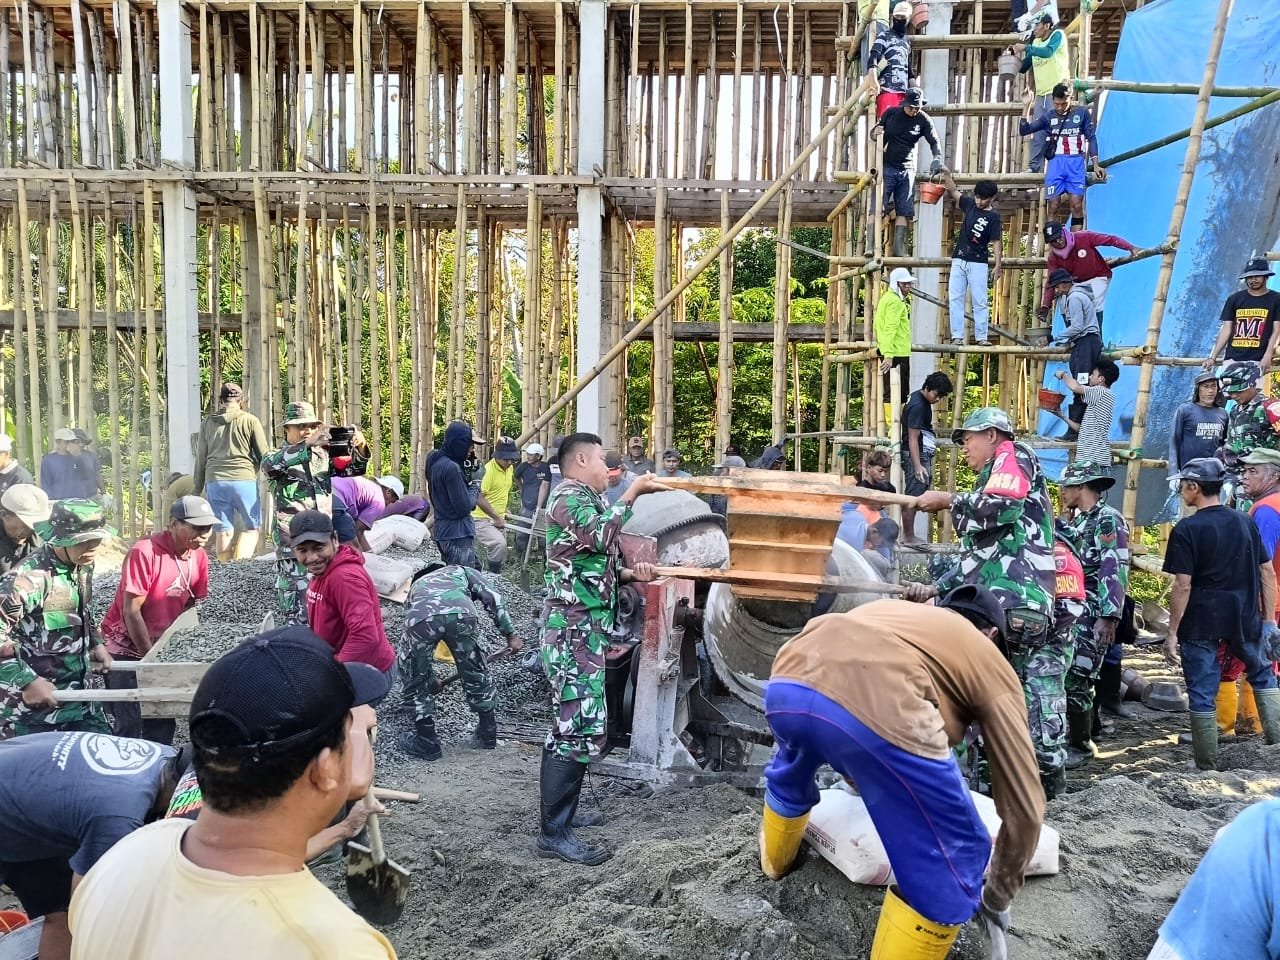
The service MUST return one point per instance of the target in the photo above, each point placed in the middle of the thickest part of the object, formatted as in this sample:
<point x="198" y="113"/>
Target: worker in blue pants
<point x="882" y="694"/>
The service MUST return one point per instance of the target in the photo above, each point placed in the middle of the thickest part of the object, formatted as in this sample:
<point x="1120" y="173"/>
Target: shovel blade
<point x="378" y="891"/>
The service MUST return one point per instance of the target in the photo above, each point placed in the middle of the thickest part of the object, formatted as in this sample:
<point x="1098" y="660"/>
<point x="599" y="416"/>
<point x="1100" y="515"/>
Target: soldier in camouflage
<point x="298" y="475"/>
<point x="1253" y="422"/>
<point x="1005" y="528"/>
<point x="47" y="638"/>
<point x="584" y="568"/>
<point x="1103" y="541"/>
<point x="441" y="606"/>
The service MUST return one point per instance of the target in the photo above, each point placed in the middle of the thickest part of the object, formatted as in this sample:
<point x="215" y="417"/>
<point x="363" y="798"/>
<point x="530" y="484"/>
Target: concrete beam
<point x="593" y="402"/>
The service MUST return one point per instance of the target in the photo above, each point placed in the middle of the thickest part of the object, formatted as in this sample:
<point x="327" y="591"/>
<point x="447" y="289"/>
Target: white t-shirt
<point x="146" y="901"/>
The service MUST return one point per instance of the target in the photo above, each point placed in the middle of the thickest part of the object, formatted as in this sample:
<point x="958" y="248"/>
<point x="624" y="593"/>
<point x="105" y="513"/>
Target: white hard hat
<point x="393" y="484"/>
<point x="535" y="450"/>
<point x="902" y="9"/>
<point x="900" y="275"/>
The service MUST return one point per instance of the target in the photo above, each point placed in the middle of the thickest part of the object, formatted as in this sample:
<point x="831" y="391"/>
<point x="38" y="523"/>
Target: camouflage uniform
<point x="1070" y="605"/>
<point x="1103" y="539"/>
<point x="298" y="477"/>
<point x="442" y="606"/>
<point x="1006" y="536"/>
<point x="1249" y="425"/>
<point x="583" y="569"/>
<point x="44" y="614"/>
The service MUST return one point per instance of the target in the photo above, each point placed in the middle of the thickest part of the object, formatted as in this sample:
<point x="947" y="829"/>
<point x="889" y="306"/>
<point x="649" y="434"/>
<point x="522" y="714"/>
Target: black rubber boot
<point x="486" y="733"/>
<point x="1080" y="748"/>
<point x="423" y="742"/>
<point x="495" y="567"/>
<point x="899" y="240"/>
<point x="559" y="785"/>
<point x="1109" y="692"/>
<point x="1054" y="782"/>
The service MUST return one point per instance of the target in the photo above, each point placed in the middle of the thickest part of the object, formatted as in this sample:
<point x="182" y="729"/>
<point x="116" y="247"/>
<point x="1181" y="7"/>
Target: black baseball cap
<point x="275" y="692"/>
<point x="230" y="391"/>
<point x="914" y="98"/>
<point x="193" y="510"/>
<point x="310" y="526"/>
<point x="1202" y="469"/>
<point x="978" y="600"/>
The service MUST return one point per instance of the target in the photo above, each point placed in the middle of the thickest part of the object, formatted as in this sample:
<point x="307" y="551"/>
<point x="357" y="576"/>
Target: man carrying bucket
<point x="882" y="693"/>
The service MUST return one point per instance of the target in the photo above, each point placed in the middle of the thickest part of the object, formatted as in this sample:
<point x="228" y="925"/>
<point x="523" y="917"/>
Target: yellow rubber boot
<point x="903" y="934"/>
<point x="888" y="414"/>
<point x="1249" y="725"/>
<point x="1227" y="703"/>
<point x="442" y="653"/>
<point x="779" y="841"/>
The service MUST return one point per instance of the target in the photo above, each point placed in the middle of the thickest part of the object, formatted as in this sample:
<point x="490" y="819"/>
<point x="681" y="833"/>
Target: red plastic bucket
<point x="931" y="192"/>
<point x="11" y="920"/>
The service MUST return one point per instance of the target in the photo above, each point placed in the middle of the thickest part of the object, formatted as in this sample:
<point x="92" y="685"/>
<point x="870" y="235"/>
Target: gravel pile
<point x="241" y="593"/>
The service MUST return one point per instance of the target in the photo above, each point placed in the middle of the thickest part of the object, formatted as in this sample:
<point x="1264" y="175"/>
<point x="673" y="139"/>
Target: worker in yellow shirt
<point x="491" y="506"/>
<point x="893" y="334"/>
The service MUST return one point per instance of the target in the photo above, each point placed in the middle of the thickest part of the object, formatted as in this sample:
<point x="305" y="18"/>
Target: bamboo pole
<point x="854" y="104"/>
<point x="724" y="354"/>
<point x="1132" y="86"/>
<point x="84" y="305"/>
<point x="49" y="294"/>
<point x="113" y="355"/>
<point x="153" y="358"/>
<point x="35" y="434"/>
<point x="136" y="517"/>
<point x="781" y="319"/>
<point x="1161" y="297"/>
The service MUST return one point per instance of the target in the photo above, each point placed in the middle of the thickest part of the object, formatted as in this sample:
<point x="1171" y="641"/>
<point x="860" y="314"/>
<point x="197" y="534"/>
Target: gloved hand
<point x="935" y="168"/>
<point x="996" y="923"/>
<point x="1270" y="637"/>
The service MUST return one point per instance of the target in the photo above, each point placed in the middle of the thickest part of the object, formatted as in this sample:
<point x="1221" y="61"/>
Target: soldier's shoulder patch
<point x="1008" y="478"/>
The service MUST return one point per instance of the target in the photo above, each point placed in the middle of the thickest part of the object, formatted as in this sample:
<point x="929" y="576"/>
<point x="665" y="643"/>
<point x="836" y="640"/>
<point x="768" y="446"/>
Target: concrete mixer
<point x="691" y="651"/>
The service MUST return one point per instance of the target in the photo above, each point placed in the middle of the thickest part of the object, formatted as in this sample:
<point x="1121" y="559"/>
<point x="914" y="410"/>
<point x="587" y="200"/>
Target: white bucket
<point x="840" y="829"/>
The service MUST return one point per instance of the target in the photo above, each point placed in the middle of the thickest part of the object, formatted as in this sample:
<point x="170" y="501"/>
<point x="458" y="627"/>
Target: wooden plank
<point x="780" y="490"/>
<point x="773" y="578"/>
<point x="140" y="695"/>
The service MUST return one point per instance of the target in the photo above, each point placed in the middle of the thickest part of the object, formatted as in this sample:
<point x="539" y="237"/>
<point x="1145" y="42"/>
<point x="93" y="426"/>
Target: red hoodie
<point x="344" y="611"/>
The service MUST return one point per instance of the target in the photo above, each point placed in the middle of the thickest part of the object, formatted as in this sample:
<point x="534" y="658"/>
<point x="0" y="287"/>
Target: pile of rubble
<point x="243" y="592"/>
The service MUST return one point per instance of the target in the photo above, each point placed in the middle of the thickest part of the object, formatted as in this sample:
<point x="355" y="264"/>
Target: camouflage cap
<point x="1240" y="376"/>
<point x="1081" y="472"/>
<point x="984" y="418"/>
<point x="1258" y="455"/>
<point x="299" y="412"/>
<point x="76" y="521"/>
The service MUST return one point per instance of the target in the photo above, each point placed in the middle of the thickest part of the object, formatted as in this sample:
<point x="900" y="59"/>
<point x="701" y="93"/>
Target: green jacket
<point x="893" y="326"/>
<point x="229" y="446"/>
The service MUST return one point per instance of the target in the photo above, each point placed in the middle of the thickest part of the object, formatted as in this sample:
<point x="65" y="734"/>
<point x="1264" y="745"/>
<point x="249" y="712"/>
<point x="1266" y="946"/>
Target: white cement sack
<point x="840" y="829"/>
<point x="390" y="577"/>
<point x="408" y="532"/>
<point x="379" y="539"/>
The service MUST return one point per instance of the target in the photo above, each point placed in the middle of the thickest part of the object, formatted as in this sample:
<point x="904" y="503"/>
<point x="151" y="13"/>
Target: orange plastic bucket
<point x="931" y="192"/>
<point x="11" y="920"/>
<point x="1051" y="400"/>
<point x="920" y="14"/>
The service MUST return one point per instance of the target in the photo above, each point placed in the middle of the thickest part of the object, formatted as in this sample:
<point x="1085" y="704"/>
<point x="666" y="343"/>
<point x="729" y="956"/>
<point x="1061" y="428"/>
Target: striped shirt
<point x="1094" y="443"/>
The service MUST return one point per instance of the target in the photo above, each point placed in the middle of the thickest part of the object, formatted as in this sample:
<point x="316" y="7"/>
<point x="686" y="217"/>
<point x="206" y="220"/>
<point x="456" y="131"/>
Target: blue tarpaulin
<point x="1233" y="210"/>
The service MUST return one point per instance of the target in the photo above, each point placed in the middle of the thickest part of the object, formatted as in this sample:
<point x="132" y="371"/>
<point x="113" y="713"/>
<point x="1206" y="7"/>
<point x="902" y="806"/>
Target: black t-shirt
<point x="1252" y="322"/>
<point x="1221" y="551"/>
<point x="917" y="413"/>
<point x="531" y="476"/>
<point x="977" y="231"/>
<point x="902" y="133"/>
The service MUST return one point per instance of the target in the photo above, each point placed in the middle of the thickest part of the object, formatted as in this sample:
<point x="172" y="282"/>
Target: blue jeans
<point x="1202" y="671"/>
<point x="230" y="499"/>
<point x="937" y="844"/>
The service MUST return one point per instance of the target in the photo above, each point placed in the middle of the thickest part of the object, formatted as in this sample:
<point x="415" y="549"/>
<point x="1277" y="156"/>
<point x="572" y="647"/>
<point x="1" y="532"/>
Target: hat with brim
<point x="1202" y="470"/>
<point x="1060" y="276"/>
<point x="28" y="503"/>
<point x="64" y="434"/>
<point x="73" y="521"/>
<point x="1205" y="376"/>
<point x="984" y="418"/>
<point x="310" y="526"/>
<point x="1262" y="455"/>
<point x="506" y="450"/>
<point x="1082" y="471"/>
<point x="300" y="413"/>
<point x="1257" y="267"/>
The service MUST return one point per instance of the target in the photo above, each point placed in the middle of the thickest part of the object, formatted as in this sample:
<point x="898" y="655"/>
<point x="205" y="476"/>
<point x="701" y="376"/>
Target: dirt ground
<point x="685" y="882"/>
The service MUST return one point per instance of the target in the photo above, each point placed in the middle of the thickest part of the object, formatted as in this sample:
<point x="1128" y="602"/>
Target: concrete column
<point x="928" y="233"/>
<point x="593" y="402"/>
<point x="178" y="201"/>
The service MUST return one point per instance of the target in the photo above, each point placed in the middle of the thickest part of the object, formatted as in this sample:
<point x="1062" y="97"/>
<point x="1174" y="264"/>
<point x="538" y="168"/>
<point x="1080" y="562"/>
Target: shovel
<point x="378" y="887"/>
<point x="455" y="676"/>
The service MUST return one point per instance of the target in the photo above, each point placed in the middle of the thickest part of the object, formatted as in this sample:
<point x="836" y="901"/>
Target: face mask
<point x="899" y="27"/>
